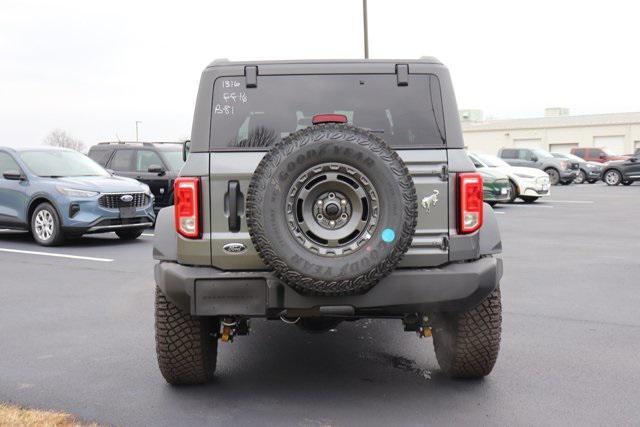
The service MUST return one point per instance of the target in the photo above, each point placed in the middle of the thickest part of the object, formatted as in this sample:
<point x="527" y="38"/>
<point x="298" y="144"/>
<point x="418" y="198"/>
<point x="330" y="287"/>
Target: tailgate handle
<point x="234" y="202"/>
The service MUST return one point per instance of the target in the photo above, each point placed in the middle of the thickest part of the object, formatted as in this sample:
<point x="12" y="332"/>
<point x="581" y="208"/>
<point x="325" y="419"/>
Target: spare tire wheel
<point x="331" y="209"/>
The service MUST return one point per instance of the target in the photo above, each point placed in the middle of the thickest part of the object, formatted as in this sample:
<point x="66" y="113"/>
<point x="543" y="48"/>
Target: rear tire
<point x="467" y="343"/>
<point x="46" y="227"/>
<point x="513" y="195"/>
<point x="129" y="234"/>
<point x="529" y="199"/>
<point x="187" y="347"/>
<point x="612" y="177"/>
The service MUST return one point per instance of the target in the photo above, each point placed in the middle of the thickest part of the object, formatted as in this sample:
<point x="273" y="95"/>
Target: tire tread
<point x="186" y="346"/>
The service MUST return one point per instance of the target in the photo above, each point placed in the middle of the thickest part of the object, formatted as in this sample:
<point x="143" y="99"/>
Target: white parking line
<point x="87" y="258"/>
<point x="569" y="201"/>
<point x="498" y="212"/>
<point x="148" y="234"/>
<point x="527" y="205"/>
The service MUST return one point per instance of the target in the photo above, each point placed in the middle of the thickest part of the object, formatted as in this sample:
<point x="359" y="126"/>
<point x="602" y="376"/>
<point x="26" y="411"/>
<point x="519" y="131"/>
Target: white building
<point x="617" y="133"/>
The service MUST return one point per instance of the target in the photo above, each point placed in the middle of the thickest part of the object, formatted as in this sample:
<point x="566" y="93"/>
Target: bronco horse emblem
<point x="430" y="201"/>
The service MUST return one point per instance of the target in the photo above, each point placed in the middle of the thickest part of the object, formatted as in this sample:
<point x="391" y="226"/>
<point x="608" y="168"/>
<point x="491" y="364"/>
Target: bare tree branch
<point x="60" y="138"/>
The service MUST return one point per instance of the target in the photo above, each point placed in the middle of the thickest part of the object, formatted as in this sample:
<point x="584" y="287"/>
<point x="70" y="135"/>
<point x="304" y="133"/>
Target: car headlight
<point x="146" y="190"/>
<point x="73" y="192"/>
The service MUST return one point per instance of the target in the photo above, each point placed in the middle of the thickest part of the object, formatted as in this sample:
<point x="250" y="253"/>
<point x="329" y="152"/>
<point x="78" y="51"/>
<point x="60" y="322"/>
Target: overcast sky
<point x="94" y="68"/>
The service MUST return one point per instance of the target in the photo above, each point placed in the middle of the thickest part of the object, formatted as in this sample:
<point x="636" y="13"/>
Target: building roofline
<point x="606" y="119"/>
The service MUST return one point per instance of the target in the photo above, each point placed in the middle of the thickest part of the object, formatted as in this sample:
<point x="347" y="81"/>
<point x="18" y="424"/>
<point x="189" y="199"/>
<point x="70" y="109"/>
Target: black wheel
<point x="467" y="343"/>
<point x="129" y="234"/>
<point x="554" y="176"/>
<point x="331" y="209"/>
<point x="612" y="177"/>
<point x="627" y="182"/>
<point x="513" y="194"/>
<point x="186" y="346"/>
<point x="46" y="226"/>
<point x="492" y="204"/>
<point x="529" y="199"/>
<point x="581" y="177"/>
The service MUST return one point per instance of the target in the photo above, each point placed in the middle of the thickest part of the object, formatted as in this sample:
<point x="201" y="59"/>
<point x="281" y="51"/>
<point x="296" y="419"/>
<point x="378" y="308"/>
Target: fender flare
<point x="490" y="240"/>
<point x="31" y="204"/>
<point x="165" y="241"/>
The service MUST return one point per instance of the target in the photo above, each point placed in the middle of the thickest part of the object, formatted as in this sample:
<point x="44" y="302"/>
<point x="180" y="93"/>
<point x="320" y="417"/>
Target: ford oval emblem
<point x="127" y="198"/>
<point x="234" y="248"/>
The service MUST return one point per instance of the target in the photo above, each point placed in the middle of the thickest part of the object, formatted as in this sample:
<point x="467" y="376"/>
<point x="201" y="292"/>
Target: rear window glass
<point x="509" y="154"/>
<point x="100" y="156"/>
<point x="253" y="118"/>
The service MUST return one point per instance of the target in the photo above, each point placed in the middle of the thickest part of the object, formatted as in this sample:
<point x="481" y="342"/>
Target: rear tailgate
<point x="231" y="246"/>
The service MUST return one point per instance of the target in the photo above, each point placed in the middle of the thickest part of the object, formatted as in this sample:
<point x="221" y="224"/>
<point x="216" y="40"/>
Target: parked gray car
<point x="560" y="171"/>
<point x="322" y="191"/>
<point x="590" y="172"/>
<point x="57" y="193"/>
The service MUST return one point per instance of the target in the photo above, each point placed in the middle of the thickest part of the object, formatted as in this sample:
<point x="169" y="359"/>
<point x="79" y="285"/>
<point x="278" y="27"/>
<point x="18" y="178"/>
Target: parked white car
<point x="528" y="184"/>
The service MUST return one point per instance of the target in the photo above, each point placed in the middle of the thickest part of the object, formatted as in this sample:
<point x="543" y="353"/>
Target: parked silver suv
<point x="560" y="171"/>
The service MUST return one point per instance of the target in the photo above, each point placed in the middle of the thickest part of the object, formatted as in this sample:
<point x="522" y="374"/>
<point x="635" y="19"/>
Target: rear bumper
<point x="206" y="291"/>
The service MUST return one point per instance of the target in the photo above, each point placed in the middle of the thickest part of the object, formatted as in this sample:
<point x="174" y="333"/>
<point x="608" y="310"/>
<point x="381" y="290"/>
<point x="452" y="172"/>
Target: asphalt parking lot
<point x="76" y="334"/>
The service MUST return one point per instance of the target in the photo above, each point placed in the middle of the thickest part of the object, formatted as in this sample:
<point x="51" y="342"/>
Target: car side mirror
<point x="534" y="159"/>
<point x="633" y="159"/>
<point x="156" y="169"/>
<point x="602" y="156"/>
<point x="14" y="176"/>
<point x="186" y="147"/>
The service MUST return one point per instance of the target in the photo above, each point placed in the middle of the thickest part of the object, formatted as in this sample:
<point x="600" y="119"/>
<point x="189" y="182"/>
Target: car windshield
<point x="60" y="163"/>
<point x="542" y="154"/>
<point x="492" y="161"/>
<point x="173" y="156"/>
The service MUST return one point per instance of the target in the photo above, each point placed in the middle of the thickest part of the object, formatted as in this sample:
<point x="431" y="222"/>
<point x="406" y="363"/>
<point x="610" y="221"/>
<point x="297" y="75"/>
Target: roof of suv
<point x="424" y="60"/>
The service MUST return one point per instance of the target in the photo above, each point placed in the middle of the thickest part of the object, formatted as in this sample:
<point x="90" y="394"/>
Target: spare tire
<point x="331" y="209"/>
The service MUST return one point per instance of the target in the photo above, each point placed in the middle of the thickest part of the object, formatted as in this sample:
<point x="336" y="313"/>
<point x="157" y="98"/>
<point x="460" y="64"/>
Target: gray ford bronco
<point x="317" y="192"/>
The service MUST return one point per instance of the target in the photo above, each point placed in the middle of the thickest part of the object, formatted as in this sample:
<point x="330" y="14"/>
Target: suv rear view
<point x="317" y="192"/>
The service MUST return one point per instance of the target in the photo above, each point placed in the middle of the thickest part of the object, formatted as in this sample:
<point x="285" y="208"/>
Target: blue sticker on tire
<point x="388" y="235"/>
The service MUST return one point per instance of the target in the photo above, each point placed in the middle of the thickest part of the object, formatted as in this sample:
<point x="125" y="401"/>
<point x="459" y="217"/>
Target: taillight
<point x="328" y="118"/>
<point x="470" y="202"/>
<point x="186" y="193"/>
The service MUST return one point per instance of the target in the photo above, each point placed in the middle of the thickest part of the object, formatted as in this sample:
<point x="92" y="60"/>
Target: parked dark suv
<point x="154" y="163"/>
<point x="317" y="192"/>
<point x="623" y="172"/>
<point x="560" y="171"/>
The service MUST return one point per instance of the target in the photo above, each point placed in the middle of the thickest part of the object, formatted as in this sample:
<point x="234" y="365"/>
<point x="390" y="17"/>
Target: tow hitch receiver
<point x="232" y="327"/>
<point x="418" y="323"/>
